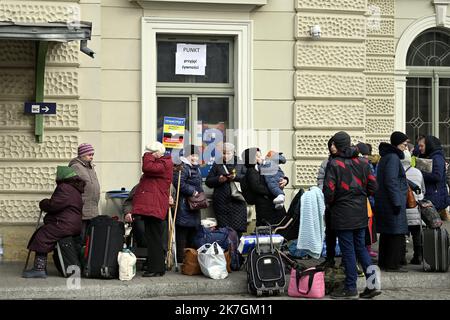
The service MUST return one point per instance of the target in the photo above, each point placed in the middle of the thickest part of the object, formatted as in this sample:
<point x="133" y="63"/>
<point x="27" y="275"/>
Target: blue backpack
<point x="205" y="235"/>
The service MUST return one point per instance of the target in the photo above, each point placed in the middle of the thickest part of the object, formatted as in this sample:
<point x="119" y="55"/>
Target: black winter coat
<point x="348" y="182"/>
<point x="392" y="190"/>
<point x="263" y="199"/>
<point x="229" y="211"/>
<point x="435" y="182"/>
<point x="63" y="217"/>
<point x="191" y="181"/>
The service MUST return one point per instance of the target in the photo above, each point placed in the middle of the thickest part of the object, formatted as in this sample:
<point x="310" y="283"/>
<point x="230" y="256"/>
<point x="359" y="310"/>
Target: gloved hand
<point x="397" y="210"/>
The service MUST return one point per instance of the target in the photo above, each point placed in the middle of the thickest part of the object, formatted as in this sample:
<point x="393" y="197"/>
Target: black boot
<point x="417" y="257"/>
<point x="39" y="269"/>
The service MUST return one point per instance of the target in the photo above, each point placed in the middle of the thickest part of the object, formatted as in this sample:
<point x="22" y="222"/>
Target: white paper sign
<point x="190" y="59"/>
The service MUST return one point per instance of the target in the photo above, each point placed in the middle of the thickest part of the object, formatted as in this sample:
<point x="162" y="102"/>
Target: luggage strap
<point x="311" y="274"/>
<point x="105" y="257"/>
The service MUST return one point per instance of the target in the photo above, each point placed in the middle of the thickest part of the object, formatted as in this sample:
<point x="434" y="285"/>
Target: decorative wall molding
<point x="21" y="53"/>
<point x="385" y="28"/>
<point x="306" y="172"/>
<point x="19" y="11"/>
<point x="19" y="179"/>
<point x="379" y="126"/>
<point x="330" y="56"/>
<point x="380" y="86"/>
<point x="313" y="145"/>
<point x="329" y="85"/>
<point x="23" y="146"/>
<point x="379" y="106"/>
<point x="380" y="65"/>
<point x="339" y="27"/>
<point x="336" y="5"/>
<point x="384" y="7"/>
<point x="19" y="211"/>
<point x="338" y="115"/>
<point x="19" y="83"/>
<point x="385" y="47"/>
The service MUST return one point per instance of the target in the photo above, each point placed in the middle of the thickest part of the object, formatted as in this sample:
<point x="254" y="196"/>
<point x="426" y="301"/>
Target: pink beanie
<point x="84" y="149"/>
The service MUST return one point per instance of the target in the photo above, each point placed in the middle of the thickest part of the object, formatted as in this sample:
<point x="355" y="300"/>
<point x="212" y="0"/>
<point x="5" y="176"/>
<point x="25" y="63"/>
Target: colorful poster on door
<point x="173" y="132"/>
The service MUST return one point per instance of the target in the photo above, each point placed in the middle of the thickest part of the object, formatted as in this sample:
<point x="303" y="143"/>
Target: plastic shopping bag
<point x="212" y="261"/>
<point x="127" y="265"/>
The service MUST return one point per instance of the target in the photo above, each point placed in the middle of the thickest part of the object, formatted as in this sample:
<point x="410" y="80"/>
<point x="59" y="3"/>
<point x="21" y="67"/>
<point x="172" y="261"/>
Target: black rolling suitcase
<point x="104" y="240"/>
<point x="265" y="268"/>
<point x="435" y="250"/>
<point x="66" y="256"/>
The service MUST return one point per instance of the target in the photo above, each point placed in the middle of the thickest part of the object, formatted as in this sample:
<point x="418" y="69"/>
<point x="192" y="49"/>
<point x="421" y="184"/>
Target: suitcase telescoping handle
<point x="264" y="230"/>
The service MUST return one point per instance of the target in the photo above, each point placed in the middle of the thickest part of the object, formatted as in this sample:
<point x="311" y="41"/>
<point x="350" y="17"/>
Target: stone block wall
<point x="344" y="80"/>
<point x="27" y="168"/>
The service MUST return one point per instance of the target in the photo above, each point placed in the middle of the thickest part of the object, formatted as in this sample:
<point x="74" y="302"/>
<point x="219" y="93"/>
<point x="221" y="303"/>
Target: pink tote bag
<point x="308" y="284"/>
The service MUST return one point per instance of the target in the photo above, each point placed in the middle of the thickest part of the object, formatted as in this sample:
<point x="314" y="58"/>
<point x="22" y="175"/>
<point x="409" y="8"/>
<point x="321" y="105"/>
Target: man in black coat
<point x="348" y="183"/>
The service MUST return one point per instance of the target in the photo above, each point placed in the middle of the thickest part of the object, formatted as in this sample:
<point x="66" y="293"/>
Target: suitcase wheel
<point x="259" y="293"/>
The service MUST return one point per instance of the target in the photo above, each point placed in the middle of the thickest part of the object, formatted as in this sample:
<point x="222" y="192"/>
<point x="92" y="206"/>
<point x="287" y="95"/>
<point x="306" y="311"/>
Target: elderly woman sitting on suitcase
<point x="63" y="219"/>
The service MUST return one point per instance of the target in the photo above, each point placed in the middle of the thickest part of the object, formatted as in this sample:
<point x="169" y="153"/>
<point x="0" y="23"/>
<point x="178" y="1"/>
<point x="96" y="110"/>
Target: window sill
<point x="250" y="4"/>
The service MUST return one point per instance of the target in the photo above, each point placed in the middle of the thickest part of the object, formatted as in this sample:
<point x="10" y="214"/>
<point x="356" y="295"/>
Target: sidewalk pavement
<point x="12" y="286"/>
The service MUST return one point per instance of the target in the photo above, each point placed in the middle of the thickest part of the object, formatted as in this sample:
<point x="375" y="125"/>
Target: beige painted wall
<point x="103" y="103"/>
<point x="408" y="11"/>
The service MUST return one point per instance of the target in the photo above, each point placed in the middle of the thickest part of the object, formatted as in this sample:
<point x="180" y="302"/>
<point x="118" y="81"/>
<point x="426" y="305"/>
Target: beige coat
<point x="91" y="195"/>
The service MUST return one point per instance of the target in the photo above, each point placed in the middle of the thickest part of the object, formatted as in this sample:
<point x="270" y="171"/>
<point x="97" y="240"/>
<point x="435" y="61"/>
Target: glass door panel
<point x="444" y="114"/>
<point x="418" y="107"/>
<point x="177" y="107"/>
<point x="214" y="116"/>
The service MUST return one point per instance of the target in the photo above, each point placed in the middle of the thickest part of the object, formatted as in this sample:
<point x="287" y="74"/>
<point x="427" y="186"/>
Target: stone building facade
<point x="284" y="84"/>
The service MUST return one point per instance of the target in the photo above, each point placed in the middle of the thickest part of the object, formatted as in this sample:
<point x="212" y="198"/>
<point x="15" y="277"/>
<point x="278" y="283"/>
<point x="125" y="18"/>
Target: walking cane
<point x="172" y="226"/>
<point x="29" y="251"/>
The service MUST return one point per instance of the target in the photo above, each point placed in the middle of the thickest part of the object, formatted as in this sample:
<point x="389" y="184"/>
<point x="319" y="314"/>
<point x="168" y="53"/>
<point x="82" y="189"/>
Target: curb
<point x="175" y="284"/>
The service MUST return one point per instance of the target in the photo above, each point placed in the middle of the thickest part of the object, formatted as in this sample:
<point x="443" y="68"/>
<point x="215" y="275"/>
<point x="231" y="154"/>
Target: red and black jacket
<point x="348" y="182"/>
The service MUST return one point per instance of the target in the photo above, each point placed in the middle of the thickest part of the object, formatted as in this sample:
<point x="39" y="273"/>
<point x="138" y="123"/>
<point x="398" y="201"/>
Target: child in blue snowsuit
<point x="272" y="173"/>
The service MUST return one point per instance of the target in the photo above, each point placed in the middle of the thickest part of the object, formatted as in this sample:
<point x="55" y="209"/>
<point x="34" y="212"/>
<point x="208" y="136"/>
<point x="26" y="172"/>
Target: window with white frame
<point x="204" y="100"/>
<point x="428" y="86"/>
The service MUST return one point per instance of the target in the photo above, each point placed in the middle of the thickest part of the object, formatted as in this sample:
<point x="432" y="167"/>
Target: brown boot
<point x="444" y="215"/>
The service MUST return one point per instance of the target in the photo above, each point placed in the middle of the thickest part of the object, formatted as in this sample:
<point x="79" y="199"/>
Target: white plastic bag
<point x="212" y="261"/>
<point x="127" y="265"/>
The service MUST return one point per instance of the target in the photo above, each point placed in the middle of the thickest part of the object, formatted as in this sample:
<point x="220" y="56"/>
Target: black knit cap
<point x="363" y="149"/>
<point x="398" y="137"/>
<point x="341" y="140"/>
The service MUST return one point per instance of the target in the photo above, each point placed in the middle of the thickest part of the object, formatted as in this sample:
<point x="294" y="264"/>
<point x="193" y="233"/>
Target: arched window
<point x="428" y="86"/>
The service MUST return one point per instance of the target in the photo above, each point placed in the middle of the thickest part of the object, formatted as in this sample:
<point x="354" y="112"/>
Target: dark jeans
<point x="155" y="246"/>
<point x="184" y="237"/>
<point x="330" y="237"/>
<point x="352" y="244"/>
<point x="417" y="240"/>
<point x="391" y="251"/>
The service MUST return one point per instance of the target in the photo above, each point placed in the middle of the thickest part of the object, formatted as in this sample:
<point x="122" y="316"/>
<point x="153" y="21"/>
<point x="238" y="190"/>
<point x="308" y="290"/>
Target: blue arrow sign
<point x="40" y="107"/>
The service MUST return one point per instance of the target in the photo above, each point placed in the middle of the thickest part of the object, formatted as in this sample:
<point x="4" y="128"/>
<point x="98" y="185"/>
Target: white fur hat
<point x="155" y="147"/>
